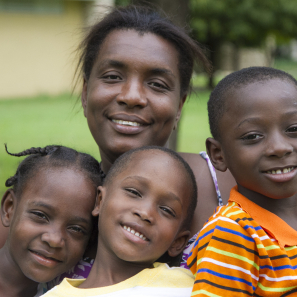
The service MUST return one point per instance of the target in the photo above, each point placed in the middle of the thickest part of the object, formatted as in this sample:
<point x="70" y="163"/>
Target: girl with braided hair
<point x="48" y="211"/>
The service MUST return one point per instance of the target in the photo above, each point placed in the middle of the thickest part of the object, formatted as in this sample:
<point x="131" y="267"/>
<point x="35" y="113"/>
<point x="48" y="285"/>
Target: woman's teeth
<point x="280" y="171"/>
<point x="134" y="232"/>
<point x="126" y="123"/>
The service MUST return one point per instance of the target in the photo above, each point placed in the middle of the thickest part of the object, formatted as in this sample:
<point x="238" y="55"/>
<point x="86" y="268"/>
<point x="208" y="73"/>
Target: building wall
<point x="36" y="50"/>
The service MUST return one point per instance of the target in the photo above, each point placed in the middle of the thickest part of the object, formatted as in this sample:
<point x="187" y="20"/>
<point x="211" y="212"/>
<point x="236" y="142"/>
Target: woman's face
<point x="132" y="97"/>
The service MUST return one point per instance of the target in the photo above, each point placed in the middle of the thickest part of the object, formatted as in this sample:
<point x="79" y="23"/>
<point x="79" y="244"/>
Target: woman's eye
<point x="158" y="85"/>
<point x="133" y="191"/>
<point x="112" y="77"/>
<point x="168" y="210"/>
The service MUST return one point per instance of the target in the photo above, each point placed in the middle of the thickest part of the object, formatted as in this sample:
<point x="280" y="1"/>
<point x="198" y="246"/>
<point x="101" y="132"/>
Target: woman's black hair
<point x="142" y="20"/>
<point x="52" y="156"/>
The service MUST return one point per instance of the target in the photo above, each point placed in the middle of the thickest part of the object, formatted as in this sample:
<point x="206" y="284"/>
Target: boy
<point x="145" y="207"/>
<point x="248" y="247"/>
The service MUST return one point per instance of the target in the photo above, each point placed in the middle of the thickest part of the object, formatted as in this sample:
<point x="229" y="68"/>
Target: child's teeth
<point x="134" y="232"/>
<point x="286" y="170"/>
<point x="273" y="171"/>
<point x="278" y="171"/>
<point x="137" y="234"/>
<point x="128" y="229"/>
<point x="141" y="236"/>
<point x="125" y="227"/>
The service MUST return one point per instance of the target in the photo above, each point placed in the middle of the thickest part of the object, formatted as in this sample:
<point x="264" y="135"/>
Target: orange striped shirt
<point x="244" y="250"/>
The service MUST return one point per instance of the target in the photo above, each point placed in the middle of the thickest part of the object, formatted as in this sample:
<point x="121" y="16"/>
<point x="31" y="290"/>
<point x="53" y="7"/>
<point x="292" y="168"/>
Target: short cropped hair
<point x="123" y="161"/>
<point x="243" y="77"/>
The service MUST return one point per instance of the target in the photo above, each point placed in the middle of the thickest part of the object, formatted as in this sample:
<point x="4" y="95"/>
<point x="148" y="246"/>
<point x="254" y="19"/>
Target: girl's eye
<point x="133" y="191"/>
<point x="77" y="229"/>
<point x="168" y="210"/>
<point x="292" y="129"/>
<point x="39" y="215"/>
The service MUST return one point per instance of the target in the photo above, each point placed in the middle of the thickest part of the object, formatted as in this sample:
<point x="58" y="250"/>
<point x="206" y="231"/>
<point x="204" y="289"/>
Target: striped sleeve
<point x="224" y="260"/>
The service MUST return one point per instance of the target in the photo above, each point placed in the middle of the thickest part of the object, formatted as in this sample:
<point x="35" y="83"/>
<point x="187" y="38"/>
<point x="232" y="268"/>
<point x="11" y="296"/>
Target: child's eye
<point x="112" y="77"/>
<point x="39" y="215"/>
<point x="168" y="210"/>
<point x="252" y="136"/>
<point x="292" y="129"/>
<point x="133" y="191"/>
<point x="77" y="229"/>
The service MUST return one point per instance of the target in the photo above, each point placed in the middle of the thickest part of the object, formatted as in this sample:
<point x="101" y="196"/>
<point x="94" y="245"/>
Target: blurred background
<point x="38" y="41"/>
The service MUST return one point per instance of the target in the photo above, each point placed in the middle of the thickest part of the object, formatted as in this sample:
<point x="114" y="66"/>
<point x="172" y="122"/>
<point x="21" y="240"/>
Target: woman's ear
<point x="100" y="193"/>
<point x="84" y="96"/>
<point x="179" y="243"/>
<point x="8" y="206"/>
<point x="215" y="153"/>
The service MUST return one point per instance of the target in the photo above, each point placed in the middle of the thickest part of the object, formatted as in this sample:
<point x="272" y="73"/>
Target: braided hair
<point x="52" y="156"/>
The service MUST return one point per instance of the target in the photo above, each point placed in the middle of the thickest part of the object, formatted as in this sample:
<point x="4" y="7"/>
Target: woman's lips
<point x="128" y="127"/>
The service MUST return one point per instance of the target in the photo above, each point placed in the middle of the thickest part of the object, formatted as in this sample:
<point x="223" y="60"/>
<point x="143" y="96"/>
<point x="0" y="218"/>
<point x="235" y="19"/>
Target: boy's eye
<point x="77" y="229"/>
<point x="168" y="210"/>
<point x="133" y="191"/>
<point x="252" y="136"/>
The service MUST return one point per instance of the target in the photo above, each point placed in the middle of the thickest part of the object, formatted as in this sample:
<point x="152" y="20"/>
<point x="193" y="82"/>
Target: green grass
<point x="44" y="120"/>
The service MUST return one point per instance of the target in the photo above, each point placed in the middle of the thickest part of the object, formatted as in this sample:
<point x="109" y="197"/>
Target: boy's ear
<point x="215" y="153"/>
<point x="100" y="193"/>
<point x="84" y="96"/>
<point x="8" y="205"/>
<point x="179" y="243"/>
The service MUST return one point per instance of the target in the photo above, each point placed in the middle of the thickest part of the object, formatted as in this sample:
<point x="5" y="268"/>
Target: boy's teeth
<point x="126" y="123"/>
<point x="280" y="171"/>
<point x="134" y="232"/>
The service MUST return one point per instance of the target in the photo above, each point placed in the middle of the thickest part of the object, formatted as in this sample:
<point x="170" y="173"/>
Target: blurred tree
<point x="245" y="23"/>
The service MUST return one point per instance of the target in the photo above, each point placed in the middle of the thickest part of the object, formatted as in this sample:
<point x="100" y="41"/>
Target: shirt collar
<point x="271" y="223"/>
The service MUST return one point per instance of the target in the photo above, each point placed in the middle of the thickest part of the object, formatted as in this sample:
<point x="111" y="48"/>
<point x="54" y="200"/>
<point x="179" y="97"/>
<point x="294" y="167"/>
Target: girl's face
<point x="50" y="223"/>
<point x="132" y="97"/>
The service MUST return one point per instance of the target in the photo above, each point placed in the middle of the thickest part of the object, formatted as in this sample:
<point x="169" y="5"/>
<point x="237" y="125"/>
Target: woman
<point x="136" y="68"/>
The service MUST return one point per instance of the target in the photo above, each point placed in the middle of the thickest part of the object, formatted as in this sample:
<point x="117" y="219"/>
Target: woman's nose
<point x="132" y="94"/>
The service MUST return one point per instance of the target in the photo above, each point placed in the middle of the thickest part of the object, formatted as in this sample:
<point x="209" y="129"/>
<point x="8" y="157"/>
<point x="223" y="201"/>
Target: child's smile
<point x="260" y="143"/>
<point x="141" y="211"/>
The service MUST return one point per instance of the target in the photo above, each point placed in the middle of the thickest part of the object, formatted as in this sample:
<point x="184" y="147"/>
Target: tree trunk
<point x="178" y="12"/>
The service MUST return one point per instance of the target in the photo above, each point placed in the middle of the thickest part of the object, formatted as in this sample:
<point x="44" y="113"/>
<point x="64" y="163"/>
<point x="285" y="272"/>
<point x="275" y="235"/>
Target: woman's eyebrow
<point x="157" y="71"/>
<point x="114" y="63"/>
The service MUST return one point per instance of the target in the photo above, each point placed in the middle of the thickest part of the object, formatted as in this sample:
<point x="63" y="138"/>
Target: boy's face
<point x="50" y="224"/>
<point x="143" y="208"/>
<point x="259" y="137"/>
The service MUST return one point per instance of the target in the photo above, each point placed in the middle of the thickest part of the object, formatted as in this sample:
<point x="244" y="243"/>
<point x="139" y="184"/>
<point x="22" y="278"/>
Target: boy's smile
<point x="143" y="208"/>
<point x="259" y="138"/>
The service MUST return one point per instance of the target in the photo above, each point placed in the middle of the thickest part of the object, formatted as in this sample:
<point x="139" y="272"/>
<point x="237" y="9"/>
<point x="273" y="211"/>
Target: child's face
<point x="50" y="224"/>
<point x="143" y="208"/>
<point x="259" y="137"/>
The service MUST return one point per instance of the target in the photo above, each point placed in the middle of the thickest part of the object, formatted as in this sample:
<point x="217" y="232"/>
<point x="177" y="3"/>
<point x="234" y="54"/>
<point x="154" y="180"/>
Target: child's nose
<point x="132" y="94"/>
<point x="279" y="146"/>
<point x="54" y="238"/>
<point x="145" y="212"/>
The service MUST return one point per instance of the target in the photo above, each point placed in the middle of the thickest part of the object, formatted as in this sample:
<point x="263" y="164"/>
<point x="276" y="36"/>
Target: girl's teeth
<point x="134" y="232"/>
<point x="126" y="123"/>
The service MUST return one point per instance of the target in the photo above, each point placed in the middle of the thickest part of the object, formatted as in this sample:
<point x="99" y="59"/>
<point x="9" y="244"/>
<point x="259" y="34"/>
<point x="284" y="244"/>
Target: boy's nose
<point x="145" y="213"/>
<point x="132" y="94"/>
<point x="54" y="238"/>
<point x="279" y="146"/>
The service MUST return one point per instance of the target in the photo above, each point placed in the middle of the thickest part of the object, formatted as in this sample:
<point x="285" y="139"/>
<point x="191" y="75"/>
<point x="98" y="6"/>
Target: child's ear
<point x="8" y="205"/>
<point x="84" y="96"/>
<point x="100" y="193"/>
<point x="215" y="153"/>
<point x="179" y="243"/>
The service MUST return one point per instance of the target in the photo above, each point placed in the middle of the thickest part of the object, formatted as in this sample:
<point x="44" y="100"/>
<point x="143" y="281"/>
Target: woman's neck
<point x="13" y="283"/>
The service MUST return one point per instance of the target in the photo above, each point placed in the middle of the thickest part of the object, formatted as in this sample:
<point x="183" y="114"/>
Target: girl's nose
<point x="279" y="146"/>
<point x="145" y="212"/>
<point x="54" y="238"/>
<point x="132" y="94"/>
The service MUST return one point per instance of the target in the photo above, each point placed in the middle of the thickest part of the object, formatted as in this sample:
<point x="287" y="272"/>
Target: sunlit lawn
<point x="45" y="120"/>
